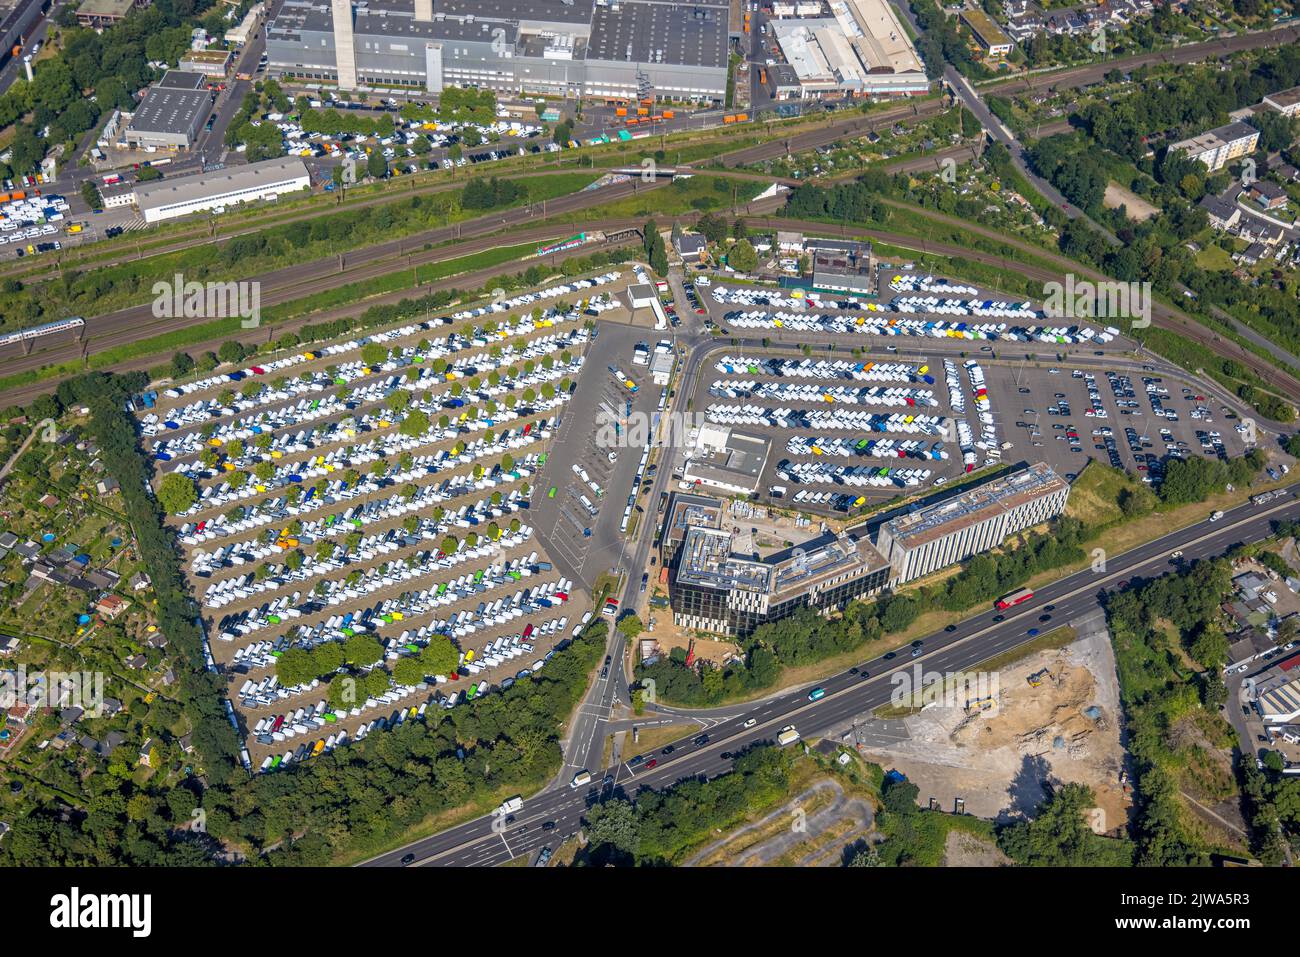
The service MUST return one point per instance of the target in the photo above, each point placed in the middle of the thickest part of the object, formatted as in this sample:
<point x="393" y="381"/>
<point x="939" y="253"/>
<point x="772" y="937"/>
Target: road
<point x="490" y="840"/>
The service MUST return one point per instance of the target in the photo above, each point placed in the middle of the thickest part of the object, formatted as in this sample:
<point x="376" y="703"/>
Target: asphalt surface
<point x="491" y="840"/>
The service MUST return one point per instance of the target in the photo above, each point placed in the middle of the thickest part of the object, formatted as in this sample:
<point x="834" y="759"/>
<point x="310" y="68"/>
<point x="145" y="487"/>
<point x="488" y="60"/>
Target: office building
<point x="1219" y="147"/>
<point x="597" y="49"/>
<point x="714" y="590"/>
<point x="269" y="179"/>
<point x="971" y="522"/>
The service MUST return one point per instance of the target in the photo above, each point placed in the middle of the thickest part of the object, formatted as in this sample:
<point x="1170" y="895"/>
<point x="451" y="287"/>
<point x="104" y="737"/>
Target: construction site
<point x="1052" y="718"/>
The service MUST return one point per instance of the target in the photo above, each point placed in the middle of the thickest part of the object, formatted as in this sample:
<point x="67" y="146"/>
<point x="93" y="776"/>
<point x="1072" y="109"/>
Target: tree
<point x="742" y="256"/>
<point x="630" y="626"/>
<point x="177" y="493"/>
<point x="90" y="195"/>
<point x="376" y="165"/>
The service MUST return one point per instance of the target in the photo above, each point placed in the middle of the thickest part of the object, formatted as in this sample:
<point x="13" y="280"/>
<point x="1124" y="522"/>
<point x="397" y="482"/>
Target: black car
<point x="951" y="628"/>
<point x="668" y="750"/>
<point x="701" y="740"/>
<point x="1044" y="617"/>
<point x="548" y="825"/>
<point x="889" y="656"/>
<point x="408" y="858"/>
<point x="999" y="618"/>
<point x="865" y="675"/>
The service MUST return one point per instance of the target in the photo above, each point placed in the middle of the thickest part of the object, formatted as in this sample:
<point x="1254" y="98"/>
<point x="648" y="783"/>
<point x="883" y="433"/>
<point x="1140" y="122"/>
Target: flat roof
<point x="1285" y="98"/>
<point x="169" y="110"/>
<point x="973" y="506"/>
<point x="206" y="185"/>
<point x="647" y="32"/>
<point x="883" y="44"/>
<point x="1217" y="137"/>
<point x="181" y="80"/>
<point x="707" y="561"/>
<point x="989" y="32"/>
<point x="105" y="8"/>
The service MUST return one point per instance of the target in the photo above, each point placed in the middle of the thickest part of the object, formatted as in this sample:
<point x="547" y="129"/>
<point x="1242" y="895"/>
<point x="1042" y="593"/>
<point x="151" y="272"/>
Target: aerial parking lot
<point x="866" y="398"/>
<point x="361" y="540"/>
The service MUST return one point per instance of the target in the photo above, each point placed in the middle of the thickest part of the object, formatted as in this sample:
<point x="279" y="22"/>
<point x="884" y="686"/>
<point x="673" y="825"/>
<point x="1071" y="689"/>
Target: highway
<point x="490" y="840"/>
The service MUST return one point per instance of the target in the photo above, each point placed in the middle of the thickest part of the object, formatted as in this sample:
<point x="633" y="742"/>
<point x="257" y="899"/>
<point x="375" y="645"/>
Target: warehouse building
<point x="631" y="49"/>
<point x="172" y="113"/>
<point x="861" y="49"/>
<point x="267" y="180"/>
<point x="1220" y="146"/>
<point x="972" y="522"/>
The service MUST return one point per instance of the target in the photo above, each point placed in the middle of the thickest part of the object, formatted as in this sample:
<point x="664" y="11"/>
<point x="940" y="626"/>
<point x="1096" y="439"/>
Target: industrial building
<point x="603" y="49"/>
<point x="841" y="266"/>
<point x="971" y="522"/>
<point x="728" y="460"/>
<point x="1219" y="147"/>
<point x="860" y="49"/>
<point x="17" y="20"/>
<point x="171" y="114"/>
<point x="714" y="590"/>
<point x="267" y="180"/>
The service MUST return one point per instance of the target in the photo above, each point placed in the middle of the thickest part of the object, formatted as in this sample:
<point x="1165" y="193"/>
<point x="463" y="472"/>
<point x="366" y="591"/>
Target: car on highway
<point x="635" y="761"/>
<point x="408" y="858"/>
<point x="548" y="825"/>
<point x="750" y="723"/>
<point x="917" y="652"/>
<point x="669" y="749"/>
<point x="1032" y="632"/>
<point x="701" y="740"/>
<point x="890" y="656"/>
<point x="816" y="694"/>
<point x="999" y="618"/>
<point x="651" y="763"/>
<point x="1044" y="617"/>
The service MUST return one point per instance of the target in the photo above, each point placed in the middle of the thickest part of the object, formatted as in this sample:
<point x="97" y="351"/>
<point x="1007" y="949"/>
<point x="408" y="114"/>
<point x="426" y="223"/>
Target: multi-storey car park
<point x="430" y="538"/>
<point x="632" y="49"/>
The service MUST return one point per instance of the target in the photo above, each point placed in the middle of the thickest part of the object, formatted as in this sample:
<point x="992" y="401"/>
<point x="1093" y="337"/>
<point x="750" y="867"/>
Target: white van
<point x="581" y="779"/>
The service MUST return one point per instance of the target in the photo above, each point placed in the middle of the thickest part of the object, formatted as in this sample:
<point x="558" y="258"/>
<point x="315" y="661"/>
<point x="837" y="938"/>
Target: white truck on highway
<point x="511" y="805"/>
<point x="787" y="735"/>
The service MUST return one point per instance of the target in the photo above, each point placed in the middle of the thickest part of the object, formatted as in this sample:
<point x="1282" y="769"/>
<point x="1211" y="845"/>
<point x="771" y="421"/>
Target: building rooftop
<point x="1285" y="98"/>
<point x="686" y="511"/>
<point x="1215" y="138"/>
<point x="646" y="32"/>
<point x="989" y="33"/>
<point x="181" y="80"/>
<point x="171" y="110"/>
<point x="707" y="562"/>
<point x="974" y="505"/>
<point x="204" y="185"/>
<point x="105" y="8"/>
<point x="728" y="457"/>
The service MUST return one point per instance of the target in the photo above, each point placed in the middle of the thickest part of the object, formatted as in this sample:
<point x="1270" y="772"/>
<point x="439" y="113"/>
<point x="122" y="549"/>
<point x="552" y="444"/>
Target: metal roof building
<point x="172" y="112"/>
<point x="627" y="49"/>
<point x="171" y="198"/>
